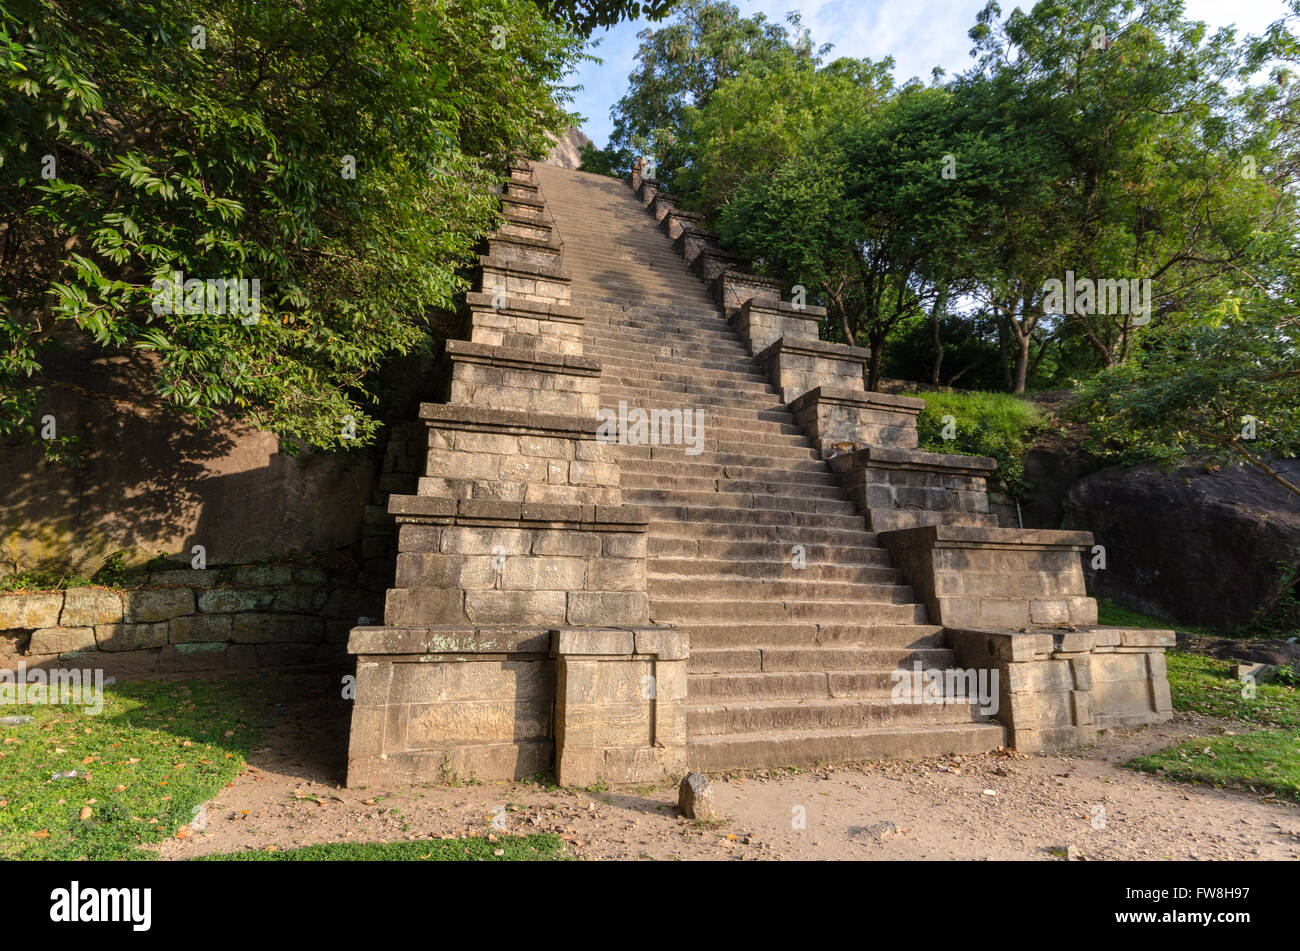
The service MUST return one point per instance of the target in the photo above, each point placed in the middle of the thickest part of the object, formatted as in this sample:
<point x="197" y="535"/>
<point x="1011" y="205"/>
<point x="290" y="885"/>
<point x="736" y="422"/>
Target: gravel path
<point x="996" y="806"/>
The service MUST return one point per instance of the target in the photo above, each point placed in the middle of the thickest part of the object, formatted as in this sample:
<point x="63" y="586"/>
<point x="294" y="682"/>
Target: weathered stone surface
<point x="695" y="798"/>
<point x="263" y="574"/>
<point x="56" y="640"/>
<point x="275" y="628"/>
<point x="187" y="657"/>
<point x="157" y="604"/>
<point x="86" y="607"/>
<point x="1154" y="527"/>
<point x="130" y="637"/>
<point x="233" y="600"/>
<point x="22" y="610"/>
<point x="200" y="627"/>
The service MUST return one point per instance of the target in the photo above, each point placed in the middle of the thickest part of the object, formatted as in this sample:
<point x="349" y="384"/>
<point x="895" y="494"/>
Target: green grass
<point x="156" y="752"/>
<point x="1108" y="612"/>
<point x="514" y="848"/>
<point x="986" y="424"/>
<point x="1262" y="760"/>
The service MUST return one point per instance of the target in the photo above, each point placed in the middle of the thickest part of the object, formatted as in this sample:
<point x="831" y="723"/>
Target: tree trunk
<point x="939" y="301"/>
<point x="873" y="364"/>
<point x="1023" y="340"/>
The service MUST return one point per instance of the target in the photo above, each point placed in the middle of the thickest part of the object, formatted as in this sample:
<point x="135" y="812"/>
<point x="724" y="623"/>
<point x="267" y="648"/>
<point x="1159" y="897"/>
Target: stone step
<point x="789" y="685"/>
<point x="649" y="287"/>
<point x="860" y="612"/>
<point x="739" y="570"/>
<point x="712" y="550"/>
<point x="811" y="473"/>
<point x="611" y="393"/>
<point x="652" y="331"/>
<point x="724" y="634"/>
<point x="664" y="328"/>
<point x="782" y="716"/>
<point x="668" y="324"/>
<point x="667" y="478"/>
<point x="713" y="428"/>
<point x="782" y="535"/>
<point x="774" y="518"/>
<point x="669" y="589"/>
<point x="743" y="660"/>
<point x="679" y="354"/>
<point x="809" y="500"/>
<point x="726" y="452"/>
<point x="611" y="359"/>
<point x="725" y="382"/>
<point x="756" y="750"/>
<point x="612" y="311"/>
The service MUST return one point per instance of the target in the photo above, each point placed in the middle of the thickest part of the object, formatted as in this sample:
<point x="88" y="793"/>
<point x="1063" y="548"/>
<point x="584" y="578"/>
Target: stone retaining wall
<point x="234" y="617"/>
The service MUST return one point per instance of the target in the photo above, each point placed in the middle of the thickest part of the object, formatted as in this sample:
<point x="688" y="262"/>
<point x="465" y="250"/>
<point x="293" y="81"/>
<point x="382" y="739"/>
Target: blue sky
<point x="919" y="34"/>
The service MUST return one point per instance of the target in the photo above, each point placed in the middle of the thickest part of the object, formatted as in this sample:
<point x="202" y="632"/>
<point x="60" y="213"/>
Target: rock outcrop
<point x="1193" y="546"/>
<point x="568" y="150"/>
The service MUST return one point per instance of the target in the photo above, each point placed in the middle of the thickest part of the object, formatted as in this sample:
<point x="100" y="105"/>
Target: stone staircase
<point x="795" y="615"/>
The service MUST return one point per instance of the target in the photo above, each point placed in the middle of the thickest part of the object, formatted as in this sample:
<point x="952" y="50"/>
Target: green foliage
<point x="1261" y="762"/>
<point x="681" y="64"/>
<point x="1109" y="138"/>
<point x="612" y="162"/>
<point x="585" y="15"/>
<point x="115" y="572"/>
<point x="1225" y="386"/>
<point x="765" y="115"/>
<point x="215" y="138"/>
<point x="136" y="743"/>
<point x="983" y="424"/>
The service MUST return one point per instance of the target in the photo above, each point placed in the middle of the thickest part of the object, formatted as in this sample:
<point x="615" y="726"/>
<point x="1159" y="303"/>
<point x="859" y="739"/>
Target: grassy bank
<point x="75" y="784"/>
<point x="1263" y="758"/>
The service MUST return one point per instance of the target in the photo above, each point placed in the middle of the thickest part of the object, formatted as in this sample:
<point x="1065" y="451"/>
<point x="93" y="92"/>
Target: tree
<point x="341" y="152"/>
<point x="1169" y="174"/>
<point x="876" y="219"/>
<point x="1225" y="386"/>
<point x="583" y="16"/>
<point x="766" y="114"/>
<point x="681" y="64"/>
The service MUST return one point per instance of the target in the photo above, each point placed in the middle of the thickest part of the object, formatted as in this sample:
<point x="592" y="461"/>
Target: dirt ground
<point x="1001" y="805"/>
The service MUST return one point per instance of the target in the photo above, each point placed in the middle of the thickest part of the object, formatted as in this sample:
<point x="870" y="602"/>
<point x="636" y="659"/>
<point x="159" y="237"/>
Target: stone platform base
<point x="1058" y="687"/>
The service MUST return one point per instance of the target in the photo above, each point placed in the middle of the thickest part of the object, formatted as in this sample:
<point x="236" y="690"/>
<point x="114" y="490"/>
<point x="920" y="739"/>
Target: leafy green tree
<point x="877" y="220"/>
<point x="1224" y="386"/>
<point x="764" y="115"/>
<point x="585" y="15"/>
<point x="341" y="152"/>
<point x="681" y="64"/>
<point x="1173" y="173"/>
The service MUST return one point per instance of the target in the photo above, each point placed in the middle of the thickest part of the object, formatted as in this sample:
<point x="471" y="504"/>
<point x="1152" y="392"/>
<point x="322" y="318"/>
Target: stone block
<point x="263" y="574"/>
<point x="57" y="640"/>
<point x="593" y="642"/>
<point x="415" y="607"/>
<point x="129" y="637"/>
<point x="87" y="607"/>
<point x="608" y="607"/>
<point x="200" y="628"/>
<point x="157" y="604"/>
<point x="529" y="608"/>
<point x="276" y="628"/>
<point x="23" y="611"/>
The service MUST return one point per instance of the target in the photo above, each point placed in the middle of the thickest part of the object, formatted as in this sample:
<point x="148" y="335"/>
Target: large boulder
<point x="1191" y="546"/>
